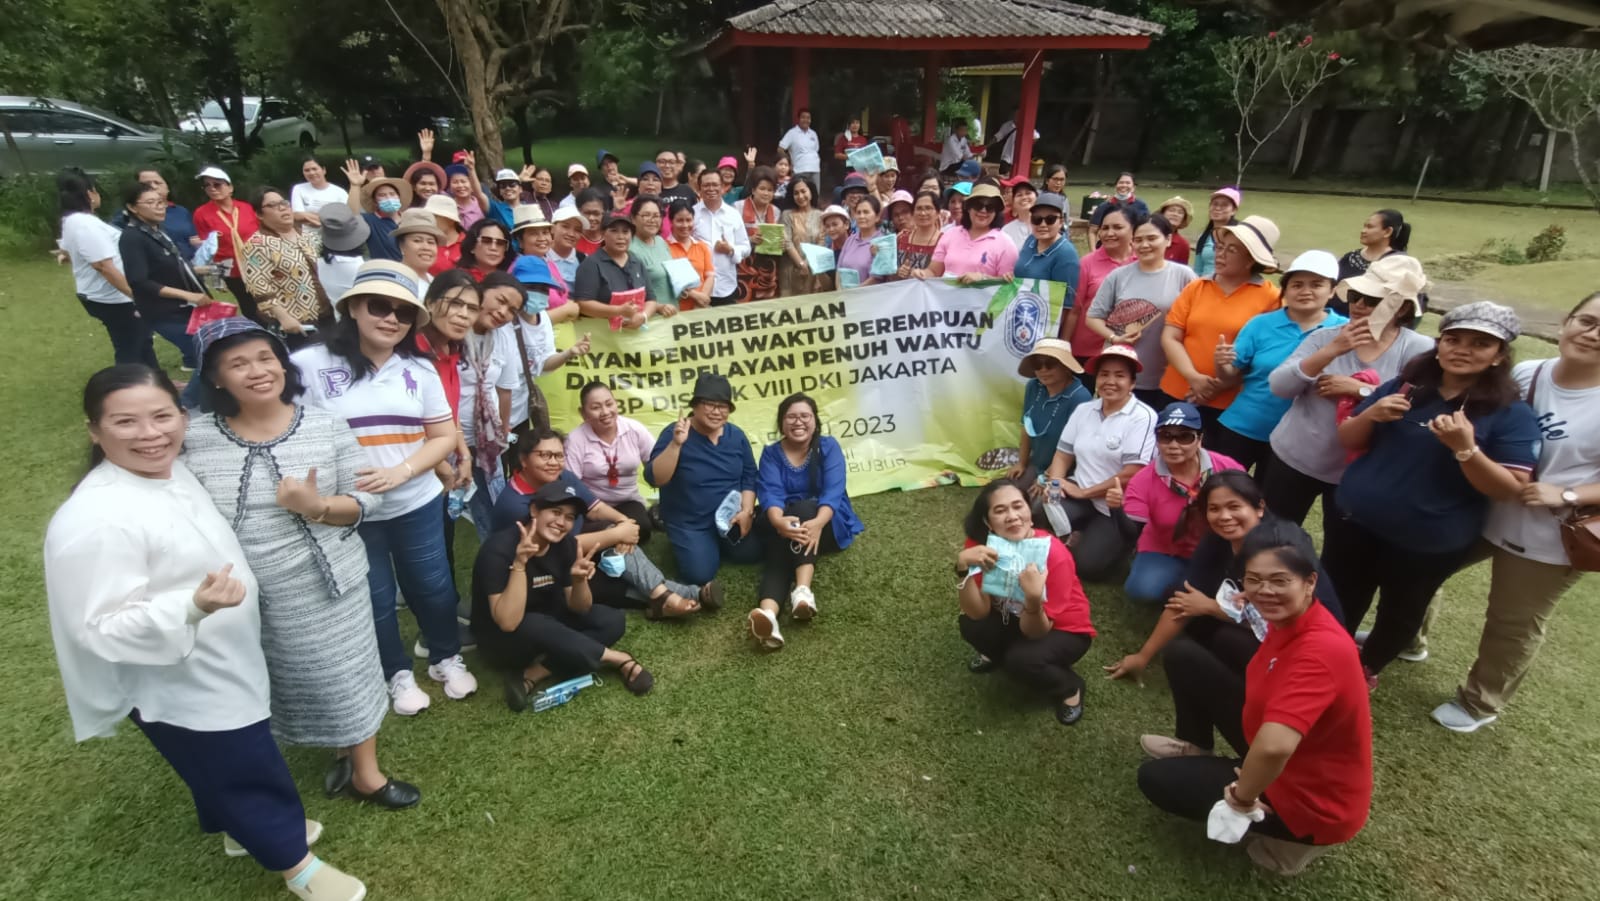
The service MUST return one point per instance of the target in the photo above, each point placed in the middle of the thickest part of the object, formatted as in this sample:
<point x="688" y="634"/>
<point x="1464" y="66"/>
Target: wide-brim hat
<point x="1115" y="352"/>
<point x="1259" y="235"/>
<point x="1054" y="348"/>
<point x="217" y="329"/>
<point x="530" y="269"/>
<point x="342" y="230"/>
<point x="427" y="166"/>
<point x="417" y="221"/>
<point x="528" y="215"/>
<point x="1396" y="281"/>
<point x="1182" y="204"/>
<point x="713" y="387"/>
<point x="986" y="191"/>
<point x="836" y="210"/>
<point x="444" y="206"/>
<point x="370" y="190"/>
<point x="385" y="278"/>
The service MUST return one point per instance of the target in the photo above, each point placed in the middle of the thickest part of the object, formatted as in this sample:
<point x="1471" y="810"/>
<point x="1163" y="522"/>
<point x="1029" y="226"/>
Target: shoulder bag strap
<point x="538" y="410"/>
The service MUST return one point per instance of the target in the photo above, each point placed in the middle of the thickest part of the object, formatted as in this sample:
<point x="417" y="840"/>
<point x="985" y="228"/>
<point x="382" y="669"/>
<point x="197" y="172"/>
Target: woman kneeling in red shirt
<point x="1040" y="631"/>
<point x="1309" y="766"/>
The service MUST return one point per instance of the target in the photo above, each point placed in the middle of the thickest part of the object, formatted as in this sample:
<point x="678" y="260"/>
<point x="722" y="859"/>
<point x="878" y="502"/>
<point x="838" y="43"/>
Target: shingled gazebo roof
<point x="1478" y="24"/>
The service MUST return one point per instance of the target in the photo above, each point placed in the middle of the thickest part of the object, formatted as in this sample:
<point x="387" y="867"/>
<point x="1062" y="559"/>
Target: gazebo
<point x="934" y="34"/>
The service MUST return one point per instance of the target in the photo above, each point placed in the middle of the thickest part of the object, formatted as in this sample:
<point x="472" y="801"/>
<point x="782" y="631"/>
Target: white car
<point x="269" y="122"/>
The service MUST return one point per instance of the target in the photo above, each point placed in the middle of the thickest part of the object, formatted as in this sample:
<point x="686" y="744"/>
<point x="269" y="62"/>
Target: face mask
<point x="1124" y="194"/>
<point x="537" y="302"/>
<point x="389" y="205"/>
<point x="612" y="564"/>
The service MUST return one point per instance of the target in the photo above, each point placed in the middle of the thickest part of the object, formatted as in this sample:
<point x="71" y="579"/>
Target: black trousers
<point x="635" y="510"/>
<point x="1102" y="542"/>
<point x="1190" y="786"/>
<point x="1154" y="398"/>
<point x="726" y="300"/>
<point x="130" y="337"/>
<point x="570" y="643"/>
<point x="1248" y="451"/>
<point x="1044" y="663"/>
<point x="1290" y="492"/>
<point x="1205" y="669"/>
<point x="777" y="571"/>
<point x="1363" y="566"/>
<point x="247" y="304"/>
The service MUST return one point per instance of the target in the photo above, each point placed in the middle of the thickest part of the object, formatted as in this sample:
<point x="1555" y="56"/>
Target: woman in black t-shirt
<point x="532" y="611"/>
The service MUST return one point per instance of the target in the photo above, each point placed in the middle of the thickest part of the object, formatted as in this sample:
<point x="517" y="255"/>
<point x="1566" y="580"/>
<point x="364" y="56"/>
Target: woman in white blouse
<point x="155" y="618"/>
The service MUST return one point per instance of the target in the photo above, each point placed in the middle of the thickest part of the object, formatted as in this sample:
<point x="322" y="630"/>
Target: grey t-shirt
<point x="1130" y="296"/>
<point x="1307" y="437"/>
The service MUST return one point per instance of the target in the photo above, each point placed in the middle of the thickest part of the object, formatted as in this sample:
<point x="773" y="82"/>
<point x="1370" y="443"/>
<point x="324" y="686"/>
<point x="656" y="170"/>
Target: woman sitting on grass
<point x="532" y="610"/>
<point x="1305" y="781"/>
<point x="807" y="511"/>
<point x="1041" y="627"/>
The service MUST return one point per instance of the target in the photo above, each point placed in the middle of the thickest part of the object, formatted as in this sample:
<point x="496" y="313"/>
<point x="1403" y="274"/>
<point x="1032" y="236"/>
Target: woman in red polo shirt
<point x="1306" y="781"/>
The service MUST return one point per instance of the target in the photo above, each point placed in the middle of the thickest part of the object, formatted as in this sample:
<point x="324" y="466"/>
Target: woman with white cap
<point x="1334" y="369"/>
<point x="233" y="222"/>
<point x="1243" y="430"/>
<point x="372" y="375"/>
<point x="1225" y="202"/>
<point x="1532" y="569"/>
<point x="379" y="202"/>
<point x="836" y="229"/>
<point x="447" y="219"/>
<point x="1104" y="445"/>
<point x="1212" y="310"/>
<point x="1439" y="442"/>
<point x="279" y="263"/>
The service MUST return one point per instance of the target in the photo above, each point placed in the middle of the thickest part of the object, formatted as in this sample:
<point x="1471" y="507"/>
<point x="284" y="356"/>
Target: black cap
<point x="554" y="494"/>
<point x="370" y="162"/>
<point x="617" y="219"/>
<point x="713" y="387"/>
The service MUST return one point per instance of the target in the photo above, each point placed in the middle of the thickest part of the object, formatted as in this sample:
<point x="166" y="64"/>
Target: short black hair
<point x="214" y="399"/>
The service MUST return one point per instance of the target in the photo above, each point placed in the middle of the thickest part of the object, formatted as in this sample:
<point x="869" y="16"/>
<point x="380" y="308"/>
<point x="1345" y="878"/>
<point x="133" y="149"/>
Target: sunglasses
<point x="1356" y="297"/>
<point x="1177" y="436"/>
<point x="1046" y="220"/>
<point x="492" y="241"/>
<point x="383" y="308"/>
<point x="212" y="185"/>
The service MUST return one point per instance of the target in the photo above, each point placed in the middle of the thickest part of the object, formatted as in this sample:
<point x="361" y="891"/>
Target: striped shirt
<point x="389" y="411"/>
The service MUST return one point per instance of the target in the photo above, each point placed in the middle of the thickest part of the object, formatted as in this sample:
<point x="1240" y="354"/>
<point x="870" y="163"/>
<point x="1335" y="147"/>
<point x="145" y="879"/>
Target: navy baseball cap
<point x="1179" y="414"/>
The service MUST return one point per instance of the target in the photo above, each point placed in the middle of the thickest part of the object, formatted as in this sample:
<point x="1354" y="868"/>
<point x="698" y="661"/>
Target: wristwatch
<point x="1569" y="497"/>
<point x="1364" y="391"/>
<point x="1464" y="456"/>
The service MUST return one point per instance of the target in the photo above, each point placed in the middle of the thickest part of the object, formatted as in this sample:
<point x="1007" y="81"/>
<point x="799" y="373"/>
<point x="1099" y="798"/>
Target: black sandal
<point x="638" y="680"/>
<point x="981" y="664"/>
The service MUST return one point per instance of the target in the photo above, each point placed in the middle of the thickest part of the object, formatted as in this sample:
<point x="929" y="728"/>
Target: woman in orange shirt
<point x="1212" y="310"/>
<point x="685" y="246"/>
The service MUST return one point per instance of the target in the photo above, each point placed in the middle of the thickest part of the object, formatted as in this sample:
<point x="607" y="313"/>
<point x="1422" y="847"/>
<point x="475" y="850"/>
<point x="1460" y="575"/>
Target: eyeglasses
<point x="213" y="185"/>
<point x="1046" y="220"/>
<point x="275" y="205"/>
<point x="712" y="406"/>
<point x="1177" y="436"/>
<point x="665" y="160"/>
<point x="1583" y="322"/>
<point x="383" y="308"/>
<point x="1278" y="584"/>
<point x="797" y="417"/>
<point x="549" y="456"/>
<point x="456" y="304"/>
<point x="493" y="241"/>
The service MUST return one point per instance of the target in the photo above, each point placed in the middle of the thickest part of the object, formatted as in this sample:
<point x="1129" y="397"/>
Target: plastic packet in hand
<point x="206" y="251"/>
<point x="455" y="503"/>
<point x="727" y="510"/>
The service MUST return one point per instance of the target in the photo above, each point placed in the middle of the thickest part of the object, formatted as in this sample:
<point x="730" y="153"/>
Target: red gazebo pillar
<point x="802" y="79"/>
<point x="1022" y="161"/>
<point x="930" y="96"/>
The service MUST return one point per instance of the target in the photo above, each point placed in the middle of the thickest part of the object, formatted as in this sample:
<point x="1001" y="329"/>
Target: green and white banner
<point x="917" y="379"/>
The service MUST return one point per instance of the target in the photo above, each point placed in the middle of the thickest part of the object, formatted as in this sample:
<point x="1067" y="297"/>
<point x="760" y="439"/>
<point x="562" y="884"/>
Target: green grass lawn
<point x="862" y="762"/>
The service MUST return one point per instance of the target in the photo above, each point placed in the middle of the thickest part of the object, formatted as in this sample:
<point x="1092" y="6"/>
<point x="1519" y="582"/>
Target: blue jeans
<point x="1154" y="577"/>
<point x="175" y="329"/>
<point x="700" y="551"/>
<point x="409" y="550"/>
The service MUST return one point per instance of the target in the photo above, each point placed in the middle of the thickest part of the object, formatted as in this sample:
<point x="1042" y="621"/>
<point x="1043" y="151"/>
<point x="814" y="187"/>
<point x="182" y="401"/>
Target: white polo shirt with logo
<point x="1102" y="445"/>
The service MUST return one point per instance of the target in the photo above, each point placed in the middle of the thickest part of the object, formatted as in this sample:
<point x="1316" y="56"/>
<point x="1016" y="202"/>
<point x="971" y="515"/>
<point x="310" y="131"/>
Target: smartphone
<point x="1407" y="390"/>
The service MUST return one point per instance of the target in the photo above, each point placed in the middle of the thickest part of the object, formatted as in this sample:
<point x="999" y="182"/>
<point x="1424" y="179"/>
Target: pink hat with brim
<point x="1118" y="352"/>
<point x="1232" y="194"/>
<point x="728" y="162"/>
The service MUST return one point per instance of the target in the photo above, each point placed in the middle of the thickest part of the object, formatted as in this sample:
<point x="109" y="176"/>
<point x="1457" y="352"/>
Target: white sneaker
<point x="1361" y="637"/>
<point x="764" y="629"/>
<point x="409" y="700"/>
<point x="803" y="602"/>
<point x="1414" y="654"/>
<point x="1454" y="717"/>
<point x="452" y="671"/>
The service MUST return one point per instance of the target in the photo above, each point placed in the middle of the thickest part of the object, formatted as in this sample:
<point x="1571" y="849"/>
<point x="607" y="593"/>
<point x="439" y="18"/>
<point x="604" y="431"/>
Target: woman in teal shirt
<point x="650" y="248"/>
<point x="1263" y="343"/>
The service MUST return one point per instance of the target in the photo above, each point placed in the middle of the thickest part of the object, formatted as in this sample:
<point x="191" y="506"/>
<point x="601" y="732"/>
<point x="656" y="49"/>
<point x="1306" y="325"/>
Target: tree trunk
<point x="1510" y="147"/>
<point x="519" y="116"/>
<point x="482" y="104"/>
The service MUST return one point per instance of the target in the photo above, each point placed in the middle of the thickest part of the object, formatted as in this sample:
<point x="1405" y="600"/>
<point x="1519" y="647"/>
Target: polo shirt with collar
<point x="722" y="224"/>
<point x="1155" y="498"/>
<point x="803" y="147"/>
<point x="599" y="275"/>
<point x="1047" y="415"/>
<point x="389" y="411"/>
<point x="1058" y="263"/>
<point x="1101" y="445"/>
<point x="1263" y="343"/>
<point x="992" y="254"/>
<point x="381" y="244"/>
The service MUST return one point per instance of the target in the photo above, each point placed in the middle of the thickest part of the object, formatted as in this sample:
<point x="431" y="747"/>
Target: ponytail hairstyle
<point x="109" y="381"/>
<point x="1399" y="229"/>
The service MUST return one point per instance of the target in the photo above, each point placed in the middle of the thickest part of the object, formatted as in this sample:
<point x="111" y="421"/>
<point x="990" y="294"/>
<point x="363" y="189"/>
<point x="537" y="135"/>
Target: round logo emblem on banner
<point x="1027" y="316"/>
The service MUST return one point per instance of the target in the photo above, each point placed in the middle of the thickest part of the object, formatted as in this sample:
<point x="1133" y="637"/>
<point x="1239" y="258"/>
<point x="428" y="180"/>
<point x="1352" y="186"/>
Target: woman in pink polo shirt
<point x="1161" y="498"/>
<point x="1115" y="251"/>
<point x="978" y="250"/>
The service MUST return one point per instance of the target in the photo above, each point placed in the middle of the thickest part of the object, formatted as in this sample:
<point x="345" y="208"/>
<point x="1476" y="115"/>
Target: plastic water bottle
<point x="1056" y="511"/>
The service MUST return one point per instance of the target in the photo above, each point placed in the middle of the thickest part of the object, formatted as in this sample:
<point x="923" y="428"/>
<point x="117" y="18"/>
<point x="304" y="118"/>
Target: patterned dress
<point x="316" y="615"/>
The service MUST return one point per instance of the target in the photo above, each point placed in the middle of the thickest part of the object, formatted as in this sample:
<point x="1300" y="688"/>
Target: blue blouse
<point x="782" y="483"/>
<point x="705" y="474"/>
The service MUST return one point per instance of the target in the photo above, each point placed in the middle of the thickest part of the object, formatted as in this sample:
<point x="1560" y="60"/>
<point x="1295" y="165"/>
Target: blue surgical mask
<point x="389" y="205"/>
<point x="536" y="302"/>
<point x="612" y="564"/>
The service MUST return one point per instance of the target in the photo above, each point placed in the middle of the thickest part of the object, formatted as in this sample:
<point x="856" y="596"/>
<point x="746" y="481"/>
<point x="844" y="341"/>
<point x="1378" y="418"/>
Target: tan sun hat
<point x="370" y="191"/>
<point x="385" y="278"/>
<point x="1180" y="203"/>
<point x="1054" y="348"/>
<point x="417" y="221"/>
<point x="1397" y="281"/>
<point x="443" y="206"/>
<point x="528" y="215"/>
<point x="1258" y="234"/>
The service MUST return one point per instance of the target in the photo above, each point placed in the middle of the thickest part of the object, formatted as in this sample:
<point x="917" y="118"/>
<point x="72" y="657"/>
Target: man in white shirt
<point x="804" y="149"/>
<point x="956" y="149"/>
<point x="721" y="226"/>
<point x="1007" y="134"/>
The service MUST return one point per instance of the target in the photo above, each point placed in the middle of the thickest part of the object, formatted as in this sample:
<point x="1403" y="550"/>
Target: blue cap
<point x="649" y="168"/>
<point x="970" y="169"/>
<point x="455" y="169"/>
<point x="532" y="270"/>
<point x="964" y="188"/>
<point x="602" y="155"/>
<point x="1179" y="413"/>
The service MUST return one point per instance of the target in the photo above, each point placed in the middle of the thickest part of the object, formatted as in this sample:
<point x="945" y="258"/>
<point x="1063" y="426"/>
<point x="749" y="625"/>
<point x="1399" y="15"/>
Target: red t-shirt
<point x="448" y="366"/>
<point x="449" y="256"/>
<point x="1307" y="676"/>
<point x="1178" y="251"/>
<point x="586" y="246"/>
<point x="1064" y="600"/>
<point x="208" y="218"/>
